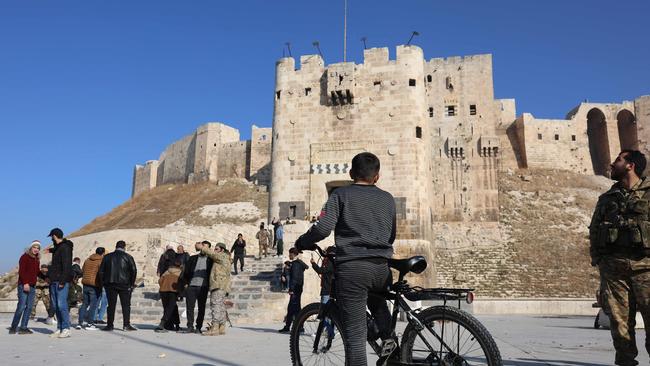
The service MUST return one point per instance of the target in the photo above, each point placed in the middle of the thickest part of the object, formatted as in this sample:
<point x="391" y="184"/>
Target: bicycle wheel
<point x="312" y="342"/>
<point x="450" y="337"/>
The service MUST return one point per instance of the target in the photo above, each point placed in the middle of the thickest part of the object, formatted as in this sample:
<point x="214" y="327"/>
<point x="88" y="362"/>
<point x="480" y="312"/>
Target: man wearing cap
<point x="219" y="286"/>
<point x="60" y="278"/>
<point x="117" y="273"/>
<point x="28" y="268"/>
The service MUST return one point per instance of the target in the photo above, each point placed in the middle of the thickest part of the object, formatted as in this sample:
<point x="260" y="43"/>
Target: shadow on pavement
<point x="169" y="348"/>
<point x="541" y="362"/>
<point x="261" y="330"/>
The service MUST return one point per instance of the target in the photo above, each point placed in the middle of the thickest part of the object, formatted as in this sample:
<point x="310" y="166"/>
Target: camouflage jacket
<point x="620" y="225"/>
<point x="220" y="273"/>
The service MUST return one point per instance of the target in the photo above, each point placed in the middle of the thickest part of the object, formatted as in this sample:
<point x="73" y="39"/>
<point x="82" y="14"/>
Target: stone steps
<point x="256" y="296"/>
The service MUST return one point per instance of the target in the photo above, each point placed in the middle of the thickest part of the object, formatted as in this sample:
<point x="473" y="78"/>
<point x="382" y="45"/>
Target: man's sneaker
<point x="12" y="330"/>
<point x="25" y="331"/>
<point x="198" y="331"/>
<point x="49" y="321"/>
<point x="129" y="328"/>
<point x="55" y="334"/>
<point x="90" y="327"/>
<point x="100" y="322"/>
<point x="65" y="333"/>
<point x="78" y="327"/>
<point x="108" y="328"/>
<point x="187" y="330"/>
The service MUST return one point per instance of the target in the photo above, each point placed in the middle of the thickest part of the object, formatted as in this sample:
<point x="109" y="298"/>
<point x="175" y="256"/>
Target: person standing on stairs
<point x="195" y="281"/>
<point x="238" y="250"/>
<point x="263" y="238"/>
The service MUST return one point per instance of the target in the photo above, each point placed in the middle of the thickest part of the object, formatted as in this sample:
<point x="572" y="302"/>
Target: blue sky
<point x="90" y="88"/>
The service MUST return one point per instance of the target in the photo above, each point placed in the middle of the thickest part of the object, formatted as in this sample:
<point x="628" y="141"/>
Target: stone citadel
<point x="435" y="124"/>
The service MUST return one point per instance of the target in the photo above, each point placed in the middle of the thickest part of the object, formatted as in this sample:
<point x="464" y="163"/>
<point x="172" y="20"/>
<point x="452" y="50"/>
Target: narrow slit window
<point x="411" y="82"/>
<point x="539" y="136"/>
<point x="418" y="132"/>
<point x="430" y="111"/>
<point x="307" y="91"/>
<point x="451" y="110"/>
<point x="277" y="94"/>
<point x="429" y="78"/>
<point x="472" y="109"/>
<point x="573" y="137"/>
<point x="557" y="137"/>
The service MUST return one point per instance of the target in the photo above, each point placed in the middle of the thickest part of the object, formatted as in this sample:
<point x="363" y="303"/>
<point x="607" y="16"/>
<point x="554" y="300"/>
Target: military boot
<point x="222" y="328"/>
<point x="213" y="331"/>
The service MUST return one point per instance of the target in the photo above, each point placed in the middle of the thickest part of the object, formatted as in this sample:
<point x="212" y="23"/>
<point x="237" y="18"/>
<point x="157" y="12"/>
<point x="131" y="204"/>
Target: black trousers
<point x="112" y="292"/>
<point x="293" y="308"/>
<point x="239" y="258"/>
<point x="192" y="295"/>
<point x="355" y="281"/>
<point x="170" y="310"/>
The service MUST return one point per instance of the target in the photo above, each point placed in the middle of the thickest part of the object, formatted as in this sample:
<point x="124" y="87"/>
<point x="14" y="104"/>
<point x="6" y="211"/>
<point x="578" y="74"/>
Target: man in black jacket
<point x="60" y="278"/>
<point x="196" y="277"/>
<point x="239" y="252"/>
<point x="117" y="274"/>
<point x="296" y="281"/>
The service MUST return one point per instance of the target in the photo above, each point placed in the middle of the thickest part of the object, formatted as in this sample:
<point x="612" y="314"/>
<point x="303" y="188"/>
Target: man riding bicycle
<point x="363" y="219"/>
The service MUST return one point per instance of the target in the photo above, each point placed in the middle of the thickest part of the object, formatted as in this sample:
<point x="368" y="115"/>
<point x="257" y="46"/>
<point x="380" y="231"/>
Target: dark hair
<point x="294" y="251"/>
<point x="240" y="234"/>
<point x="120" y="244"/>
<point x="262" y="225"/>
<point x="205" y="242"/>
<point x="365" y="166"/>
<point x="637" y="158"/>
<point x="76" y="259"/>
<point x="100" y="250"/>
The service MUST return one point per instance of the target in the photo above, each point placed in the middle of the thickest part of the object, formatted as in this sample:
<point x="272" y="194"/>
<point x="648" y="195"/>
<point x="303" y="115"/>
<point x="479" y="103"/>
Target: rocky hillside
<point x="539" y="248"/>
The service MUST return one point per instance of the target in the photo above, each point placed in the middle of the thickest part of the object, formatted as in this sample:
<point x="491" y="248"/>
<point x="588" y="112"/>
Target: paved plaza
<point x="523" y="341"/>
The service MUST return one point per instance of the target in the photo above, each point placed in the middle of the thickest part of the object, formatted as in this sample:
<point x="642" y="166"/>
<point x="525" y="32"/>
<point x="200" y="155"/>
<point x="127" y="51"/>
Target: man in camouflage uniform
<point x="43" y="294"/>
<point x="263" y="238"/>
<point x="219" y="287"/>
<point x="619" y="237"/>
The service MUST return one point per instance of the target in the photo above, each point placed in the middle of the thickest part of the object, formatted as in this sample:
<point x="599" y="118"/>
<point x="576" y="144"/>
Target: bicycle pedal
<point x="387" y="347"/>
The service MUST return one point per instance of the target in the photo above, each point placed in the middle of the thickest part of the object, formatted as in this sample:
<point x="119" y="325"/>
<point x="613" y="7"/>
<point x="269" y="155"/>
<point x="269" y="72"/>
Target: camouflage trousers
<point x="42" y="294"/>
<point x="623" y="292"/>
<point x="264" y="247"/>
<point x="217" y="306"/>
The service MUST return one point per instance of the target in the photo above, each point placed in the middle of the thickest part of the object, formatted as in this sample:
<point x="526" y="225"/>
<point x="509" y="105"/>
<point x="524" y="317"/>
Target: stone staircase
<point x="256" y="294"/>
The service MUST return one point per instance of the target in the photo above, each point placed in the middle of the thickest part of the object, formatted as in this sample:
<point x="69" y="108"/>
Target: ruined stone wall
<point x="177" y="161"/>
<point x="463" y="115"/>
<point x="233" y="161"/>
<point x="260" y="155"/>
<point x="586" y="142"/>
<point x="145" y="176"/>
<point x="642" y="115"/>
<point x="212" y="152"/>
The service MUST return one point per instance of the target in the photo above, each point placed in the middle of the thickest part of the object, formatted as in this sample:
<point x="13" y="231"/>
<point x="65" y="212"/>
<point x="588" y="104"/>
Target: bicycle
<point x="441" y="335"/>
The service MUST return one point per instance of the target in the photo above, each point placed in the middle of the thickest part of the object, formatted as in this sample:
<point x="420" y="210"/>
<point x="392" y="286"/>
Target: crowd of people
<point x="95" y="285"/>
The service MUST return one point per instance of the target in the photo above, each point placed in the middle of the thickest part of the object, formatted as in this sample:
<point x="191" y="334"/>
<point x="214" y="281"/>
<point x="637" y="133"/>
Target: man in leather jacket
<point x="117" y="274"/>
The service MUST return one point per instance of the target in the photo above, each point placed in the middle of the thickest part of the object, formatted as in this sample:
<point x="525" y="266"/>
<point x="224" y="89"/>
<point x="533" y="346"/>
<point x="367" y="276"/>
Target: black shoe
<point x="284" y="330"/>
<point x="25" y="331"/>
<point x="99" y="322"/>
<point x="187" y="330"/>
<point x="198" y="331"/>
<point x="129" y="328"/>
<point x="108" y="328"/>
<point x="12" y="330"/>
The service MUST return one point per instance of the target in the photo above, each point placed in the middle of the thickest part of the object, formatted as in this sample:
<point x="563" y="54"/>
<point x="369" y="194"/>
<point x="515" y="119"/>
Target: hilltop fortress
<point x="439" y="132"/>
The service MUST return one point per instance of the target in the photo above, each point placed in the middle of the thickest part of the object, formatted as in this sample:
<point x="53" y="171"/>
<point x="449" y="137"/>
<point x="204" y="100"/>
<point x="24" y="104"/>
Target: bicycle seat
<point x="415" y="264"/>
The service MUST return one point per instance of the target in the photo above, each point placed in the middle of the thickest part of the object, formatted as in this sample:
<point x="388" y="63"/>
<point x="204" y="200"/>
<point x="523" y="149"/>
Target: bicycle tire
<point x="449" y="314"/>
<point x="307" y="312"/>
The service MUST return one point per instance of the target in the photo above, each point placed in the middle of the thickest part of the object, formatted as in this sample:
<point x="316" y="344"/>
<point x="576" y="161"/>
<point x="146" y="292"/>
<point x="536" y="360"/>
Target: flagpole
<point x="345" y="29"/>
